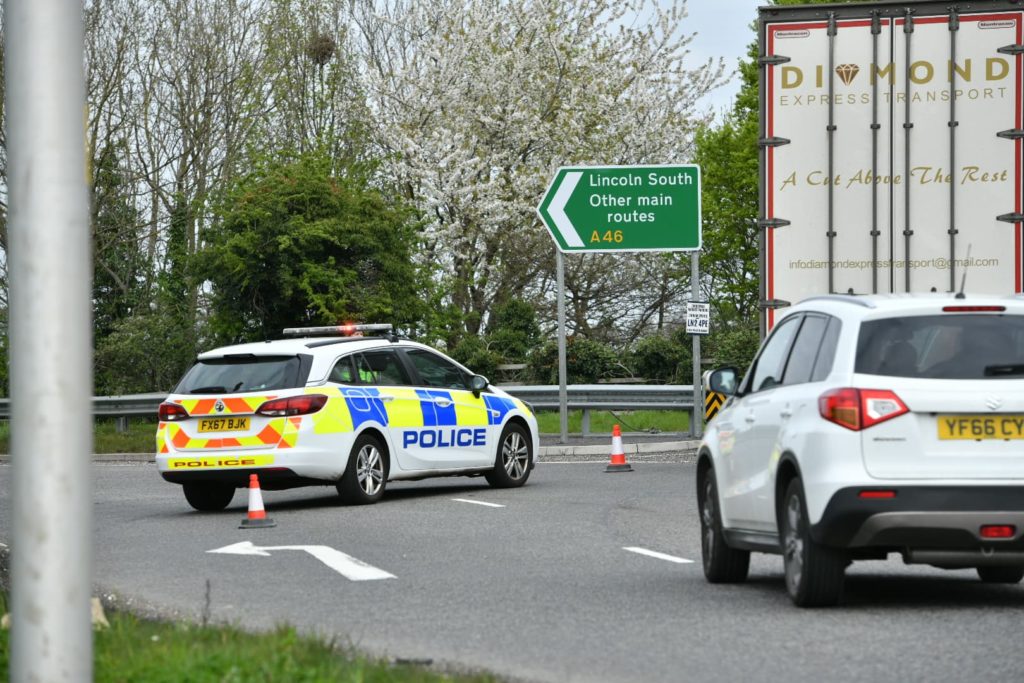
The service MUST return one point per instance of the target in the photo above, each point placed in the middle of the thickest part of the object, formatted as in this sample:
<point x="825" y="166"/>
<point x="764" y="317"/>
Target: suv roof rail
<point x="843" y="298"/>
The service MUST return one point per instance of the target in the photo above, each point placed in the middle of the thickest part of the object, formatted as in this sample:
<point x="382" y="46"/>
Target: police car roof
<point x="292" y="347"/>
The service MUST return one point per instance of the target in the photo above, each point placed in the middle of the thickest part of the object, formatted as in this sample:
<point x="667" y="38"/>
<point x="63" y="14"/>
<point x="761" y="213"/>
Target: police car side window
<point x="342" y="372"/>
<point x="380" y="367"/>
<point x="435" y="371"/>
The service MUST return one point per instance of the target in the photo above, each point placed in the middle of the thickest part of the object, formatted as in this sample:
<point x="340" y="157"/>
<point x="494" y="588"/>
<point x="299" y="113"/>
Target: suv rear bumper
<point x="931" y="524"/>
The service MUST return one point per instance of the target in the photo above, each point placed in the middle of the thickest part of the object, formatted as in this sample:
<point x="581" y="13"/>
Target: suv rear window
<point x="234" y="375"/>
<point x="950" y="346"/>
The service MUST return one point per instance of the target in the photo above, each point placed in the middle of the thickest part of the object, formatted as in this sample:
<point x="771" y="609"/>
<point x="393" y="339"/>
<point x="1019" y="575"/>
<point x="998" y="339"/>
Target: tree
<point x="296" y="244"/>
<point x="479" y="101"/>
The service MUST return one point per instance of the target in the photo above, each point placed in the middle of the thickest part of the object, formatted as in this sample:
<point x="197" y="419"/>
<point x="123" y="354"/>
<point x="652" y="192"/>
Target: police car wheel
<point x="512" y="462"/>
<point x="366" y="474"/>
<point x="208" y="496"/>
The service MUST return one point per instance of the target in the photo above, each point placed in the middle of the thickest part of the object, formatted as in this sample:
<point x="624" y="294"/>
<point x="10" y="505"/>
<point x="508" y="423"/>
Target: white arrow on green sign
<point x="624" y="208"/>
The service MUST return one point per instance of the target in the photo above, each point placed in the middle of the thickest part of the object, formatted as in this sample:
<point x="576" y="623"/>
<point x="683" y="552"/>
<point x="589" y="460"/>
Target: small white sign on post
<point x="698" y="317"/>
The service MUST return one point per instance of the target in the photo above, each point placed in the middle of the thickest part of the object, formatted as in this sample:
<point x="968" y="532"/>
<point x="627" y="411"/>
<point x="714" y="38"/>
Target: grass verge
<point x="140" y="437"/>
<point x="629" y="420"/>
<point x="134" y="649"/>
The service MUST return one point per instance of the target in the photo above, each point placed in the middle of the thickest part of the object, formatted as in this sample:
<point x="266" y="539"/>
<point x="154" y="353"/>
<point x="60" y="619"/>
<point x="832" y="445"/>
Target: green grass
<point x="134" y="649"/>
<point x="140" y="437"/>
<point x="629" y="420"/>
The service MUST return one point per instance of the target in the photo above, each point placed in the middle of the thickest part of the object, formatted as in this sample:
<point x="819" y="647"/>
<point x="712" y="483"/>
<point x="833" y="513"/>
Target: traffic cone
<point x="257" y="515"/>
<point x="618" y="461"/>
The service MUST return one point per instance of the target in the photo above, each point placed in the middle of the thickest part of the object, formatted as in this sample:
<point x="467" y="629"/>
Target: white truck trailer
<point x="890" y="149"/>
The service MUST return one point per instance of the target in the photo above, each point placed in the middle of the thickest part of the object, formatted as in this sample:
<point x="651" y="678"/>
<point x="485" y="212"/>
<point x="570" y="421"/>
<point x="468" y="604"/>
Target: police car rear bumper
<point x="271" y="478"/>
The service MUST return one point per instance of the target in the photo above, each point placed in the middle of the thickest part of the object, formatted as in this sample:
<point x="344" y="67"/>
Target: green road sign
<point x="624" y="208"/>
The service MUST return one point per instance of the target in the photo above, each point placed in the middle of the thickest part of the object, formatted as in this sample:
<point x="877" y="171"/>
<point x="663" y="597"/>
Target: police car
<point x="330" y="407"/>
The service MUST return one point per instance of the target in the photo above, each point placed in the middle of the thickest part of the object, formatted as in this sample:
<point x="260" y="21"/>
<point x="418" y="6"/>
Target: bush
<point x="735" y="346"/>
<point x="472" y="352"/>
<point x="513" y="331"/>
<point x="663" y="359"/>
<point x="586" y="361"/>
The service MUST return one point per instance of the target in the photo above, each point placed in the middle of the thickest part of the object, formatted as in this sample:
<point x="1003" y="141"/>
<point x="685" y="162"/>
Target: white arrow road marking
<point x="351" y="568"/>
<point x="477" y="502"/>
<point x="660" y="556"/>
<point x="557" y="209"/>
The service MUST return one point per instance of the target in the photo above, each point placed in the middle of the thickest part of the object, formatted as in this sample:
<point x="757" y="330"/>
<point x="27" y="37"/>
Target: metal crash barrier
<point x="585" y="397"/>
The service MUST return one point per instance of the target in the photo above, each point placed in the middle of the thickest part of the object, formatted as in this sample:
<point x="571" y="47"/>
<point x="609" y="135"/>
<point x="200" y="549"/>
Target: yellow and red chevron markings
<point x="271" y="435"/>
<point x="232" y="406"/>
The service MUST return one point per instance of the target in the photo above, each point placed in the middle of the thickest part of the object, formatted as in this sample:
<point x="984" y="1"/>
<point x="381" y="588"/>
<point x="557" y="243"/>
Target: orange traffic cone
<point x="618" y="461"/>
<point x="257" y="515"/>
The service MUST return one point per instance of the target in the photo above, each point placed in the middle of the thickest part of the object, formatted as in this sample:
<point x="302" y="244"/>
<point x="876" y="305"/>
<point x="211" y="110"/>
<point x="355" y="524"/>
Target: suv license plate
<point x="975" y="427"/>
<point x="224" y="424"/>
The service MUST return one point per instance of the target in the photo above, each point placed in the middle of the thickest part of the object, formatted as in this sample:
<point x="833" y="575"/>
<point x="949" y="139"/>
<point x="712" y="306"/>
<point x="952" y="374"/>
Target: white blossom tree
<point x="480" y="101"/>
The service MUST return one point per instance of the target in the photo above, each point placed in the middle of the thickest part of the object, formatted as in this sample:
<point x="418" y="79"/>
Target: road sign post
<point x="622" y="209"/>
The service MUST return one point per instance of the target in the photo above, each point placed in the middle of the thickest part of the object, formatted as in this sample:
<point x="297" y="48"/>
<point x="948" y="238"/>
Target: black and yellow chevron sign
<point x="713" y="401"/>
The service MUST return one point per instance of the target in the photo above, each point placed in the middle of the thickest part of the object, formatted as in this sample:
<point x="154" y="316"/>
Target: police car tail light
<point x="858" y="409"/>
<point x="171" y="412"/>
<point x="293" y="405"/>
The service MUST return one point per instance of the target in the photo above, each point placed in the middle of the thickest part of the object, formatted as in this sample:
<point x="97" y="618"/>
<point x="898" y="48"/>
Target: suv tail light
<point x="171" y="412"/>
<point x="859" y="409"/>
<point x="293" y="405"/>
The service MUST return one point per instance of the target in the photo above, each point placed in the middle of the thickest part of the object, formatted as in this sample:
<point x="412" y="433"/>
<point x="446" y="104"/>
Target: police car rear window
<point x="239" y="374"/>
<point x="948" y="346"/>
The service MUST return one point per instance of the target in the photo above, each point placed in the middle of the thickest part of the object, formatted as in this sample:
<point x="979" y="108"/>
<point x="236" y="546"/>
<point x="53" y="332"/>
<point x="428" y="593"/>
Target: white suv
<point x="353" y="412"/>
<point x="866" y="426"/>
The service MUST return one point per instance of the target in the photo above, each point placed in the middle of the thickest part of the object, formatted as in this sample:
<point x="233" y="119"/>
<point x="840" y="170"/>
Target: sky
<point x="723" y="30"/>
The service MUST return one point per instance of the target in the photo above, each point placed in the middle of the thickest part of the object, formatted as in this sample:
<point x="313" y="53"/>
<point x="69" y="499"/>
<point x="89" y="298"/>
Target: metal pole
<point x="50" y="341"/>
<point x="697" y="424"/>
<point x="563" y="399"/>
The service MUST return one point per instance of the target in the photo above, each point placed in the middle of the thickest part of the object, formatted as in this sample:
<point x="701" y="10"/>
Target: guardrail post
<point x="121" y="424"/>
<point x="585" y="422"/>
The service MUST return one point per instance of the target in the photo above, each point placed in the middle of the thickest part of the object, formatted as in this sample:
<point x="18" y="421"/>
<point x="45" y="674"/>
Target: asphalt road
<point x="541" y="589"/>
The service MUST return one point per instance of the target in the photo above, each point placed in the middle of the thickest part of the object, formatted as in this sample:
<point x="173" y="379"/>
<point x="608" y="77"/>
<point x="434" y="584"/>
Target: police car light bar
<point x="342" y="330"/>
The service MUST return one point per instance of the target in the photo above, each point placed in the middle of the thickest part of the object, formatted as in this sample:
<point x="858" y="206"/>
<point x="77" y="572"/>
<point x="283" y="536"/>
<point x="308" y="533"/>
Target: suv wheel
<point x="208" y="496"/>
<point x="722" y="564"/>
<point x="1001" y="574"/>
<point x="814" y="572"/>
<point x="366" y="474"/>
<point x="512" y="462"/>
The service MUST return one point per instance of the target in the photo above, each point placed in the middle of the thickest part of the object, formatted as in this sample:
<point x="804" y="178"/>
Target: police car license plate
<point x="976" y="427"/>
<point x="224" y="424"/>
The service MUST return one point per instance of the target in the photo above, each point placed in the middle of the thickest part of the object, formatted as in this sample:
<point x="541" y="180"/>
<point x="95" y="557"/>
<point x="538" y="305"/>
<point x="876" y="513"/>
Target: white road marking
<point x="660" y="556"/>
<point x="477" y="502"/>
<point x="350" y="567"/>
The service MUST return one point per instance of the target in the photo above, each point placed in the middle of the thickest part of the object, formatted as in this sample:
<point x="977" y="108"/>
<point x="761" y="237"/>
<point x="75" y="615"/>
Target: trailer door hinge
<point x="1011" y="49"/>
<point x="772" y="60"/>
<point x="772" y="223"/>
<point x="1011" y="134"/>
<point x="774" y="303"/>
<point x="1011" y="217"/>
<point x="773" y="142"/>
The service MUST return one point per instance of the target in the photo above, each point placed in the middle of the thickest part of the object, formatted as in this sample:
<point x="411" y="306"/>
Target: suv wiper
<point x="1004" y="370"/>
<point x="209" y="390"/>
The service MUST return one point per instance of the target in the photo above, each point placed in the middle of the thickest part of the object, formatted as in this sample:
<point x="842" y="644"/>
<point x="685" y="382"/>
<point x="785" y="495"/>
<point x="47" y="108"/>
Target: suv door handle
<point x="443" y="402"/>
<point x="386" y="397"/>
<point x="750" y="418"/>
<point x="786" y="413"/>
